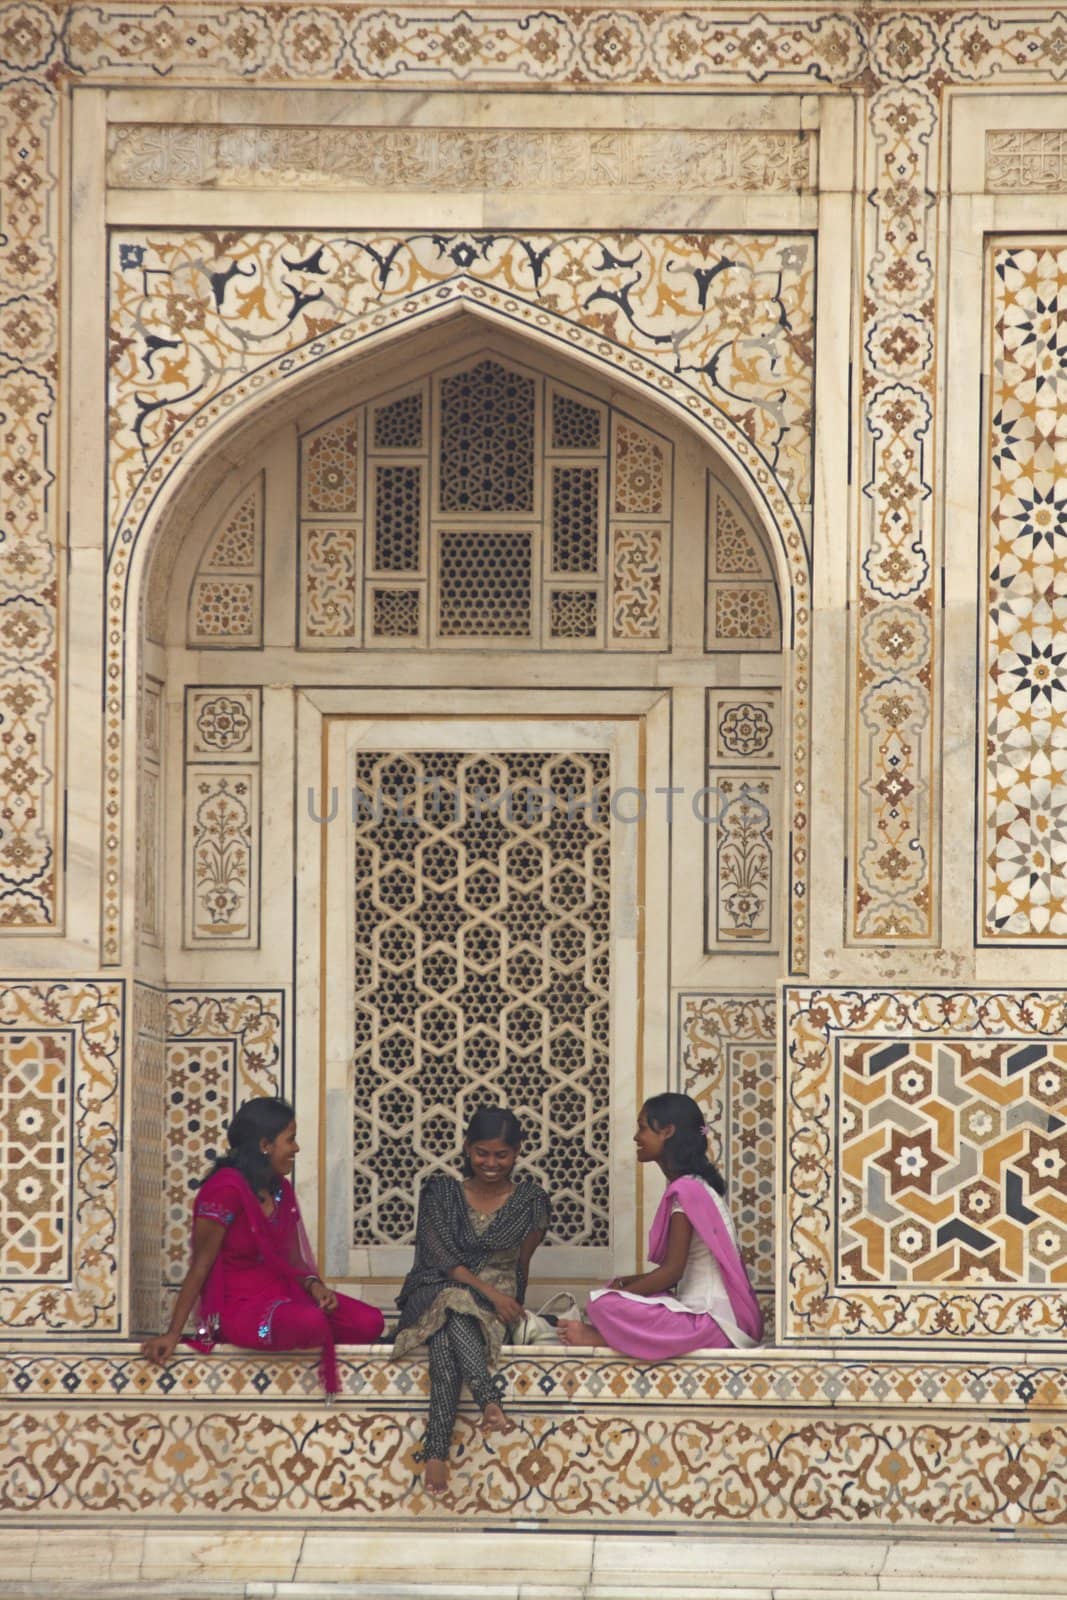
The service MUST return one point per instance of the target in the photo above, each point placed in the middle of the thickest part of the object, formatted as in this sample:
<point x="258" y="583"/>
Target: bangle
<point x="312" y="1277"/>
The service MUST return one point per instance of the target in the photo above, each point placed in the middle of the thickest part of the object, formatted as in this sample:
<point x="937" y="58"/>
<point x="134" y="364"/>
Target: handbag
<point x="539" y="1327"/>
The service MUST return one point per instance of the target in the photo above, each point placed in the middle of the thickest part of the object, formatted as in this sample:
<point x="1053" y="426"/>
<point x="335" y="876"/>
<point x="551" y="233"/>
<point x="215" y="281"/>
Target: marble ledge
<point x="485" y="108"/>
<point x="1023" y="1382"/>
<point x="311" y="1564"/>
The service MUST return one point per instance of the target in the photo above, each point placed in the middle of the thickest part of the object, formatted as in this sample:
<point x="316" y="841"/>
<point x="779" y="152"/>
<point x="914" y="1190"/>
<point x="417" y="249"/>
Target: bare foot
<point x="495" y="1420"/>
<point x="435" y="1478"/>
<point x="577" y="1333"/>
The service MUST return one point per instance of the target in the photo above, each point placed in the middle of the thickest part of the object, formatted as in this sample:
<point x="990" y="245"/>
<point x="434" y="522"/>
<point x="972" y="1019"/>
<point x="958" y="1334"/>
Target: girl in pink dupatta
<point x="698" y="1297"/>
<point x="253" y="1277"/>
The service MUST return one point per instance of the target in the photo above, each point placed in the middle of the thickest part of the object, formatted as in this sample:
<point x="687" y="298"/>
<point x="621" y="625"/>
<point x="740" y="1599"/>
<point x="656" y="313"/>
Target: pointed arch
<point x="263" y="398"/>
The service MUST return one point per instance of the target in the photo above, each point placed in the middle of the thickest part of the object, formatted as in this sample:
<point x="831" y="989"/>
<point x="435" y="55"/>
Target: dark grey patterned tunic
<point x="451" y="1233"/>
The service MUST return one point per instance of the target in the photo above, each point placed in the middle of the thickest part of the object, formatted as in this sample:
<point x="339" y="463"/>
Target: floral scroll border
<point x="902" y="59"/>
<point x="93" y="1013"/>
<point x="813" y="1304"/>
<point x="594" y="1467"/>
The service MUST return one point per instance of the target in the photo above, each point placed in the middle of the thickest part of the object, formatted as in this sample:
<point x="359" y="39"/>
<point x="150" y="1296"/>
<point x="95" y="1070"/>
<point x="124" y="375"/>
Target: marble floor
<point x="293" y="1564"/>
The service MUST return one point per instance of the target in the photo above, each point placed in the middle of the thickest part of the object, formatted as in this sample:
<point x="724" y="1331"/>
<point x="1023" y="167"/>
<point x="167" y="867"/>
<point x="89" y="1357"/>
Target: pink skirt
<point x="653" y="1332"/>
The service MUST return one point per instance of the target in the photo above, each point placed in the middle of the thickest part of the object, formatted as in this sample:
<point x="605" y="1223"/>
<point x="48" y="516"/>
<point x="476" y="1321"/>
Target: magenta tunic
<point x="255" y="1294"/>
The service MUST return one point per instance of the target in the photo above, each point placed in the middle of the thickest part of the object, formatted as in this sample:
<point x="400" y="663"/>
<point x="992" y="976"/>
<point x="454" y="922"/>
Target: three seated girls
<point x="254" y="1282"/>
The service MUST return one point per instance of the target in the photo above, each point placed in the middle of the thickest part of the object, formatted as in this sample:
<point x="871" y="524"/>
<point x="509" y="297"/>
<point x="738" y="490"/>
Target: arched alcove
<point x="298" y="591"/>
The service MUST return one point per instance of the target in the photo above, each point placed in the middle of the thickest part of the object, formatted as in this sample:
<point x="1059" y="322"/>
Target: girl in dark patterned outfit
<point x="473" y="1243"/>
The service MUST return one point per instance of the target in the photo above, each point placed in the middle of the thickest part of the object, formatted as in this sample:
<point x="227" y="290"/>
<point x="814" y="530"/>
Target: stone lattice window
<point x="485" y="507"/>
<point x="482" y="973"/>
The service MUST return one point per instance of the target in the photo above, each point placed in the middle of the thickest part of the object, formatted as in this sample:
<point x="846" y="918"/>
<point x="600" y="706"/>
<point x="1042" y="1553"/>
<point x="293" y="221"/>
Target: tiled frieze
<point x="922" y="1158"/>
<point x="554" y="1377"/>
<point x="496" y="45"/>
<point x="728" y="1059"/>
<point x="686" y="1470"/>
<point x="1022" y="843"/>
<point x="60" y="1119"/>
<point x="222" y="1047"/>
<point x="432" y="160"/>
<point x="1026" y="160"/>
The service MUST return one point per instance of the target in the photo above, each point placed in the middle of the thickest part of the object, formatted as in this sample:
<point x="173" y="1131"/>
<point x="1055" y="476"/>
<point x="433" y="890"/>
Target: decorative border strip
<point x="591" y="1468"/>
<point x="767" y="1380"/>
<point x="92" y="1011"/>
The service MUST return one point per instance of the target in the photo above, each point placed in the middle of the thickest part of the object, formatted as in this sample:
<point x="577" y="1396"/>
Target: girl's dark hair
<point x="263" y="1118"/>
<point x="686" y="1151"/>
<point x="491" y="1122"/>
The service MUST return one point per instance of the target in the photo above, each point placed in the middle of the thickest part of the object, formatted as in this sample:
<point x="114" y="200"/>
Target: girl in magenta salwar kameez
<point x="252" y="1277"/>
<point x="698" y="1296"/>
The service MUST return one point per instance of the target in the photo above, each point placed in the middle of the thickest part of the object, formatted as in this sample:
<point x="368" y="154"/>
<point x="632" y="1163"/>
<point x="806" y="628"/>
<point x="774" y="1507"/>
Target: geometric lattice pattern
<point x="60" y="1120"/>
<point x="638" y="584"/>
<point x="1023" y="843"/>
<point x="487" y="433"/>
<point x="35" y="1107"/>
<point x="226" y="597"/>
<point x="925" y="1154"/>
<point x="953" y="1162"/>
<point x="573" y="613"/>
<point x="575" y="519"/>
<point x="395" y="614"/>
<point x="742" y="600"/>
<point x="640" y="487"/>
<point x="222" y="1048"/>
<point x="485" y="584"/>
<point x="576" y="426"/>
<point x="398" y="424"/>
<point x="397" y="500"/>
<point x="727" y="1051"/>
<point x="482" y="974"/>
<point x="481" y="579"/>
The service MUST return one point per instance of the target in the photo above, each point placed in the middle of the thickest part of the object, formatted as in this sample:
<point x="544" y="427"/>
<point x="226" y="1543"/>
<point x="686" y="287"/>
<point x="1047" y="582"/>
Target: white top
<point x="700" y="1289"/>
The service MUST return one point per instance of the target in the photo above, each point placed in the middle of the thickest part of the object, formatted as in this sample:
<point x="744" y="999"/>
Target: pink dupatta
<point x="283" y="1248"/>
<point x="698" y="1205"/>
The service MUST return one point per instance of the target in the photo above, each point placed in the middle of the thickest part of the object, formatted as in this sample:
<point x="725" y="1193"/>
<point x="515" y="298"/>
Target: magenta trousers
<point x="298" y="1323"/>
<point x="652" y="1332"/>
